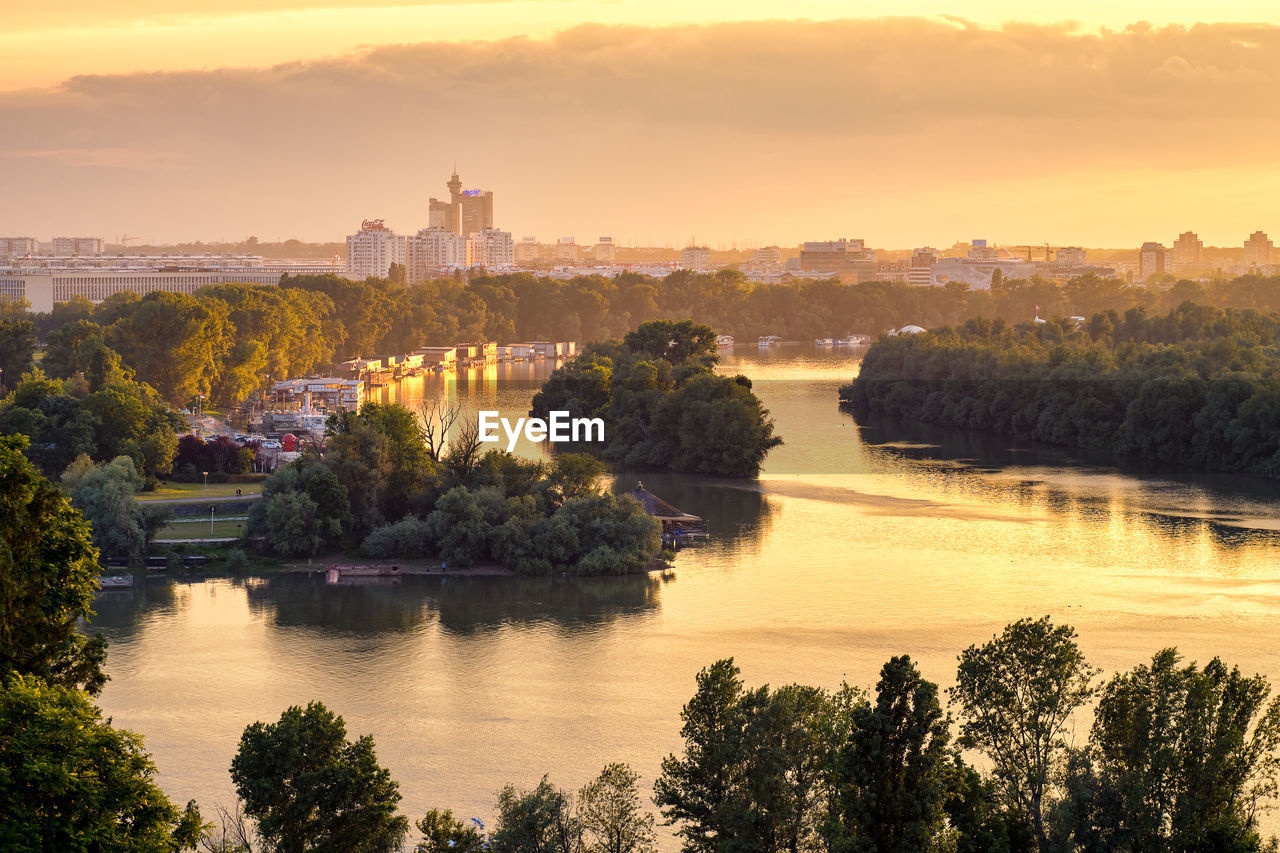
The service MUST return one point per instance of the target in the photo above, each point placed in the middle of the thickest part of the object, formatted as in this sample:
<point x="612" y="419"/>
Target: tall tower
<point x="455" y="187"/>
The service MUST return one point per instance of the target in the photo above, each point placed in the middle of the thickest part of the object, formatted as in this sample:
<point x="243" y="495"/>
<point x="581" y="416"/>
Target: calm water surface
<point x="857" y="543"/>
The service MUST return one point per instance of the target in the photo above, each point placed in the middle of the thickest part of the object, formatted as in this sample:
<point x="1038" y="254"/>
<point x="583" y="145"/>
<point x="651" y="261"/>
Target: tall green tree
<point x="69" y="781"/>
<point x="17" y="345"/>
<point x="106" y="495"/>
<point x="538" y="821"/>
<point x="892" y="774"/>
<point x="1180" y="758"/>
<point x="611" y="815"/>
<point x="48" y="575"/>
<point x="1015" y="694"/>
<point x="309" y="789"/>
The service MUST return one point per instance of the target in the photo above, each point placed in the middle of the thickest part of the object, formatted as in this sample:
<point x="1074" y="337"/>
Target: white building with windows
<point x="492" y="248"/>
<point x="69" y="247"/>
<point x="436" y="251"/>
<point x="373" y="249"/>
<point x="696" y="258"/>
<point x="18" y="246"/>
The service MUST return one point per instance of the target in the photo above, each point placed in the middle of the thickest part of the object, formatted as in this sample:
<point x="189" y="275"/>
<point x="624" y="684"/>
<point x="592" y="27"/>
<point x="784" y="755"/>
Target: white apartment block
<point x="437" y="250"/>
<point x="18" y="246"/>
<point x="67" y="247"/>
<point x="696" y="258"/>
<point x="1258" y="250"/>
<point x="373" y="249"/>
<point x="493" y="248"/>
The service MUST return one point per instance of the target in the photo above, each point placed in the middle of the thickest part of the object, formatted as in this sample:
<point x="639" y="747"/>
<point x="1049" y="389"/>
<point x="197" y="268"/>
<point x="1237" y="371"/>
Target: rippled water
<point x="857" y="543"/>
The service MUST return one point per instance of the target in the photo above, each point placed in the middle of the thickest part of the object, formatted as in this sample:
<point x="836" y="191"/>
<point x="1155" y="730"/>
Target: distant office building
<point x="1154" y="259"/>
<point x="696" y="258"/>
<point x="766" y="260"/>
<point x="17" y="246"/>
<point x="899" y="271"/>
<point x="980" y="251"/>
<point x="920" y="271"/>
<point x="70" y="247"/>
<point x="1188" y="252"/>
<point x="566" y="251"/>
<point x="373" y="250"/>
<point x="465" y="212"/>
<point x="849" y="258"/>
<point x="435" y="251"/>
<point x="978" y="274"/>
<point x="492" y="248"/>
<point x="604" y="251"/>
<point x="1258" y="250"/>
<point x="1072" y="256"/>
<point x="528" y="252"/>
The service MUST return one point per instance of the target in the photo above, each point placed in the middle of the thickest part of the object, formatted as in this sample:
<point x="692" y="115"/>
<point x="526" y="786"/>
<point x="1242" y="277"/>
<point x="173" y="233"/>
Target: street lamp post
<point x="206" y="483"/>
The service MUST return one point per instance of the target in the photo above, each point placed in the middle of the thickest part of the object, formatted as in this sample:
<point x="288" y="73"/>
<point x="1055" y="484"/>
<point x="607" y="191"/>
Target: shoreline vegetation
<point x="1199" y="386"/>
<point x="662" y="404"/>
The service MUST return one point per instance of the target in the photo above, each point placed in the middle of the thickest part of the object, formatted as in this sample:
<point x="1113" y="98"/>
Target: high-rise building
<point x="17" y="246"/>
<point x="372" y="250"/>
<point x="1153" y="259"/>
<point x="466" y="211"/>
<point x="1188" y="252"/>
<point x="68" y="247"/>
<point x="696" y="258"/>
<point x="920" y="271"/>
<point x="436" y="251"/>
<point x="492" y="248"/>
<point x="1258" y="250"/>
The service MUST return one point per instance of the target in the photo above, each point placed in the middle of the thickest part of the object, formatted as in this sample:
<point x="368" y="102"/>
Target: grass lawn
<point x="170" y="491"/>
<point x="200" y="529"/>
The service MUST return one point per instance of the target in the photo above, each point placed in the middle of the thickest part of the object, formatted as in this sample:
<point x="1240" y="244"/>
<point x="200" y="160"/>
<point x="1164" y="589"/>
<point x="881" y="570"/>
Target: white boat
<point x="115" y="582"/>
<point x="724" y="341"/>
<point x="769" y="341"/>
<point x="824" y="342"/>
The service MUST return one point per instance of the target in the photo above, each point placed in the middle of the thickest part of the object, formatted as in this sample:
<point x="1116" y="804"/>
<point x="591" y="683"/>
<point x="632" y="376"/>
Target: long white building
<point x="44" y="282"/>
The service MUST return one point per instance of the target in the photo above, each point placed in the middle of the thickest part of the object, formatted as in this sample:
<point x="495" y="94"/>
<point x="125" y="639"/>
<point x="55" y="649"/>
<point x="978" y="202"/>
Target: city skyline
<point x="924" y="131"/>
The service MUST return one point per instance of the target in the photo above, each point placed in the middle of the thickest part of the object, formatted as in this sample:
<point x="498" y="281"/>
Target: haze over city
<point x="654" y="123"/>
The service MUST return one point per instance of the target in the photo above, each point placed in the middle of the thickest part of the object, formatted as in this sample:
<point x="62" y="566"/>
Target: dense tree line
<point x="662" y="404"/>
<point x="227" y="341"/>
<point x="383" y="485"/>
<point x="1179" y="759"/>
<point x="64" y="419"/>
<point x="1198" y="386"/>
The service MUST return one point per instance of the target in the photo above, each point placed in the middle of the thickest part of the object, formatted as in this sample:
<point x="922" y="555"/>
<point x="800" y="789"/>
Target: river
<point x="857" y="543"/>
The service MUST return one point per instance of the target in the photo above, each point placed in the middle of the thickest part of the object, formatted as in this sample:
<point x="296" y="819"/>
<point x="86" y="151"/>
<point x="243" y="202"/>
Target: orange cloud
<point x="902" y="130"/>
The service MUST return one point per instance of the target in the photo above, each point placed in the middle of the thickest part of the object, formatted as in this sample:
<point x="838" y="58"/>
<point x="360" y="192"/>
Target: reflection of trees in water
<point x="464" y="605"/>
<point x="1163" y="497"/>
<point x="737" y="512"/>
<point x="118" y="612"/>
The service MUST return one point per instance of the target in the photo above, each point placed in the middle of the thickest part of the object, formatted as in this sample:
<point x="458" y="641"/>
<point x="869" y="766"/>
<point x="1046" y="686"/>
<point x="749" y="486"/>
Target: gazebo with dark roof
<point x="670" y="516"/>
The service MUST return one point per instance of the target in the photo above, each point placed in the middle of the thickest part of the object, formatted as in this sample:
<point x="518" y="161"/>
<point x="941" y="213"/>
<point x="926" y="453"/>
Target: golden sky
<point x="1100" y="123"/>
